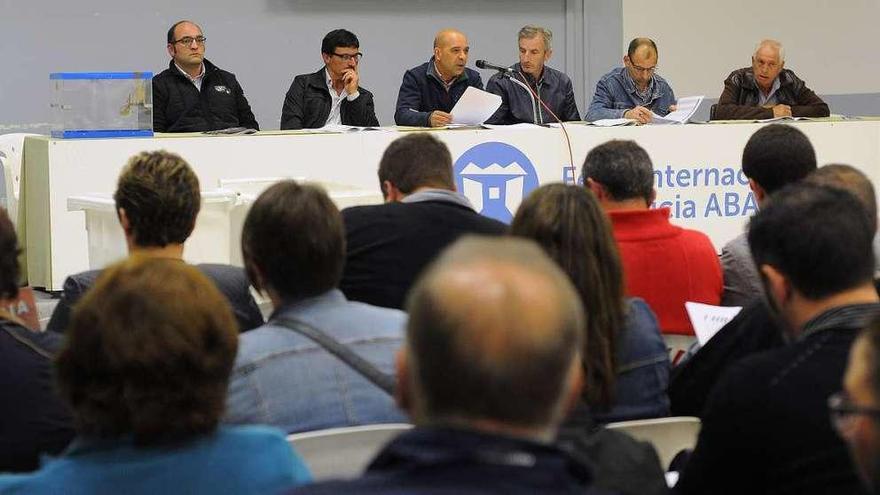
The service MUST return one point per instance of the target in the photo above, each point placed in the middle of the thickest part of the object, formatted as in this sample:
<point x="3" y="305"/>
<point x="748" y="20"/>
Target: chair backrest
<point x="11" y="157"/>
<point x="343" y="452"/>
<point x="668" y="435"/>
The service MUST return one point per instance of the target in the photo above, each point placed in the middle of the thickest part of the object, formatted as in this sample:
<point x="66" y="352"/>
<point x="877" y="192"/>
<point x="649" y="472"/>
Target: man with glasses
<point x="634" y="90"/>
<point x="193" y="95"/>
<point x="767" y="90"/>
<point x="855" y="412"/>
<point x="330" y="96"/>
<point x="765" y="425"/>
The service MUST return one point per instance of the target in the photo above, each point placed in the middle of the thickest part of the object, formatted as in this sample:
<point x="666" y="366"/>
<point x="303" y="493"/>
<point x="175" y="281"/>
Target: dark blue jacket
<point x="422" y="92"/>
<point x="440" y="461"/>
<point x="179" y="107"/>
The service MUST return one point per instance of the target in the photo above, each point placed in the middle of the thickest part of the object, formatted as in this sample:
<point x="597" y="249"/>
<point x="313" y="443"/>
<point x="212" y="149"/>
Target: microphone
<point x="482" y="64"/>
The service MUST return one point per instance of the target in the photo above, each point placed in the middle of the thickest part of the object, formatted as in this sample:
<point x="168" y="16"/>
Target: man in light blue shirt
<point x="293" y="244"/>
<point x="635" y="90"/>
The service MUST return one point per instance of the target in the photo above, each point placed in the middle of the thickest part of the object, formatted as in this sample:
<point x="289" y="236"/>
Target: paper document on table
<point x="614" y="122"/>
<point x="685" y="108"/>
<point x="708" y="319"/>
<point x="786" y="117"/>
<point x="475" y="106"/>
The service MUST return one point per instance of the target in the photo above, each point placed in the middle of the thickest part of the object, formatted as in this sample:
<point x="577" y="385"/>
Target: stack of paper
<point x="685" y="108"/>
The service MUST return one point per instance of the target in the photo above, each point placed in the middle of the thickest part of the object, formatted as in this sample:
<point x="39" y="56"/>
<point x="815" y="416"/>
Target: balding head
<point x="446" y="37"/>
<point x="493" y="338"/>
<point x="450" y="53"/>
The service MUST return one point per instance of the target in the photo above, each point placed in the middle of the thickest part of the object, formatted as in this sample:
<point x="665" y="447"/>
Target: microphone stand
<point x="537" y="98"/>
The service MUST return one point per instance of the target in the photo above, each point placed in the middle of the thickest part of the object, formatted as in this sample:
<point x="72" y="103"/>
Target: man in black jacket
<point x="330" y="96"/>
<point x="388" y="245"/>
<point x="765" y="426"/>
<point x="193" y="95"/>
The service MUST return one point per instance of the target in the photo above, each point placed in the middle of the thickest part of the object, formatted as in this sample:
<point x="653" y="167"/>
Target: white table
<point x="697" y="171"/>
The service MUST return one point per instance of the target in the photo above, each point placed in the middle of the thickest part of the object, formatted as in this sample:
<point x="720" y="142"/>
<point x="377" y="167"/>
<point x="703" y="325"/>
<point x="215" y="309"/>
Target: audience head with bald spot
<point x="767" y="62"/>
<point x="492" y="341"/>
<point x="450" y="53"/>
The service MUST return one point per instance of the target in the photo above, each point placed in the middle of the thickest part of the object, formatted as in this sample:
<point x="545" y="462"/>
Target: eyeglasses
<point x="346" y="57"/>
<point x="188" y="40"/>
<point x="646" y="70"/>
<point x="843" y="412"/>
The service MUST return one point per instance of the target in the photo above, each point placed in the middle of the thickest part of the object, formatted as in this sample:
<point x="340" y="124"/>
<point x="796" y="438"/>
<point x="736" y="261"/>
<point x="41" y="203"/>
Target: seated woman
<point x="145" y="371"/>
<point x="33" y="419"/>
<point x="625" y="361"/>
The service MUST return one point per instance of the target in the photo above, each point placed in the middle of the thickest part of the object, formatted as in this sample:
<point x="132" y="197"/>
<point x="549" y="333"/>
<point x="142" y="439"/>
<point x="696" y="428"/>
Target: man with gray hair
<point x="664" y="264"/>
<point x="487" y="373"/>
<point x="550" y="86"/>
<point x="767" y="90"/>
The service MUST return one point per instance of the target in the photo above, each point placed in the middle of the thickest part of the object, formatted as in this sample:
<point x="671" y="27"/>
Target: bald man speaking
<point x="428" y="92"/>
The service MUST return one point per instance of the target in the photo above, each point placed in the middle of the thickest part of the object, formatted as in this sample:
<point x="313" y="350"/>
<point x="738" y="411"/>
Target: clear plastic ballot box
<point x="101" y="104"/>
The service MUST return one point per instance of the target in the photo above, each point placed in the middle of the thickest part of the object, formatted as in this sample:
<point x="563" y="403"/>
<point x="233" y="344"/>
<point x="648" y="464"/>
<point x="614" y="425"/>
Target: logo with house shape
<point x="495" y="177"/>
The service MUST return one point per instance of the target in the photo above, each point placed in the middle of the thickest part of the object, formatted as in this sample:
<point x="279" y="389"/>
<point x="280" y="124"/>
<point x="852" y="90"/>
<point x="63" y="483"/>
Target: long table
<point x="697" y="173"/>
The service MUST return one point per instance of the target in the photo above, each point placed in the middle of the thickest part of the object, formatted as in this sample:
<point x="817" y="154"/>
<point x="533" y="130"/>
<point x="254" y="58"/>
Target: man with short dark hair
<point x="550" y="85"/>
<point x="776" y="155"/>
<point x="754" y="329"/>
<point x="767" y="90"/>
<point x="157" y="201"/>
<point x="193" y="94"/>
<point x="332" y="95"/>
<point x="388" y="245"/>
<point x="487" y="373"/>
<point x="856" y="410"/>
<point x="633" y="91"/>
<point x="429" y="91"/>
<point x="664" y="264"/>
<point x="765" y="426"/>
<point x="293" y="245"/>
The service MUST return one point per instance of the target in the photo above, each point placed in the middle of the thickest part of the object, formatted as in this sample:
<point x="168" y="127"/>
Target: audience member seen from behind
<point x="664" y="264"/>
<point x="766" y="421"/>
<point x="33" y="419"/>
<point x="776" y="155"/>
<point x="767" y="90"/>
<point x="856" y="410"/>
<point x="488" y="370"/>
<point x="625" y="361"/>
<point x="293" y="245"/>
<point x="388" y="245"/>
<point x="145" y="370"/>
<point x="157" y="202"/>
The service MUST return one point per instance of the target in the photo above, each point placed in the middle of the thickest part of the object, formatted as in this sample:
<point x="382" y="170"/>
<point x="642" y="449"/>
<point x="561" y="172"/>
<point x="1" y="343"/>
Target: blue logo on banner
<point x="495" y="177"/>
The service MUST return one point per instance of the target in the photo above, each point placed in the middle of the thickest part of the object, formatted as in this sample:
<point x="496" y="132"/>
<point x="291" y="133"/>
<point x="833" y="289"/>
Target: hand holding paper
<point x="474" y="107"/>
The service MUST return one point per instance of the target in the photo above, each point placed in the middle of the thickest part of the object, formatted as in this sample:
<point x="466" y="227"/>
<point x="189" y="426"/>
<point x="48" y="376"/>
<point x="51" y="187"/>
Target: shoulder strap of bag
<point x="345" y="354"/>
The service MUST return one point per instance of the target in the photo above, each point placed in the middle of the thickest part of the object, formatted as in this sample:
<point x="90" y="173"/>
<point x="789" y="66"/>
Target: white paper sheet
<point x="707" y="319"/>
<point x="475" y="106"/>
<point x="614" y="122"/>
<point x="685" y="108"/>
